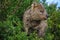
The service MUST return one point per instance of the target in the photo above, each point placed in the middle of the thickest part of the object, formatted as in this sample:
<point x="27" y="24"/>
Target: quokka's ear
<point x="34" y="5"/>
<point x="41" y="7"/>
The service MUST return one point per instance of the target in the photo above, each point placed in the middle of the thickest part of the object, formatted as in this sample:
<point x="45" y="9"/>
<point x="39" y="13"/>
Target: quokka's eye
<point x="41" y="11"/>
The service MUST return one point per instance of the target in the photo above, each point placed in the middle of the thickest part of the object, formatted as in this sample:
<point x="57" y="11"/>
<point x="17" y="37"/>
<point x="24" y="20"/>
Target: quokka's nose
<point x="47" y="15"/>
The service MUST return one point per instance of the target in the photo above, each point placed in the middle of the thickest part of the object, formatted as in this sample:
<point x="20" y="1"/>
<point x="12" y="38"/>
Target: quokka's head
<point x="39" y="8"/>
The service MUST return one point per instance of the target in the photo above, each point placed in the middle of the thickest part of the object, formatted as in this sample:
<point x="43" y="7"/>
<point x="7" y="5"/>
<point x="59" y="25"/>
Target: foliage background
<point x="11" y="25"/>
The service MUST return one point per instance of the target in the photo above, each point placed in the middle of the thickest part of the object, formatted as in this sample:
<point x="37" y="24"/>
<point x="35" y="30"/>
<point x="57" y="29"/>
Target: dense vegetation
<point x="11" y="25"/>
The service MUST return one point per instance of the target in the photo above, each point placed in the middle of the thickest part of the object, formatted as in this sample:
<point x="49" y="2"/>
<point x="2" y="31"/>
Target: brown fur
<point x="35" y="18"/>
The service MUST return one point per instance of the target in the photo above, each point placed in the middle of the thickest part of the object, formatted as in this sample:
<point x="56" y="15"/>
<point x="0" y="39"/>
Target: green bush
<point x="11" y="25"/>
